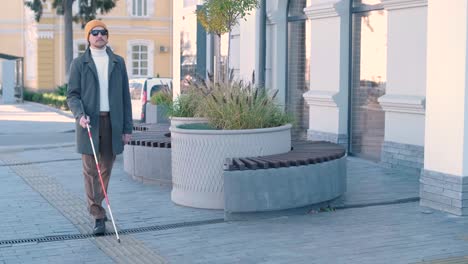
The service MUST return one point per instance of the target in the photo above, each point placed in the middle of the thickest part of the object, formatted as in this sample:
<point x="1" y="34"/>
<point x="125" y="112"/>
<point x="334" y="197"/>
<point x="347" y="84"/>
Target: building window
<point x="79" y="48"/>
<point x="188" y="3"/>
<point x="140" y="56"/>
<point x="139" y="7"/>
<point x="139" y="60"/>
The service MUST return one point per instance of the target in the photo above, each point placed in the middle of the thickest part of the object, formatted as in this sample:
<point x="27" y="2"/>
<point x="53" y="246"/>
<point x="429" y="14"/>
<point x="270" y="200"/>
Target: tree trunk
<point x="228" y="73"/>
<point x="217" y="54"/>
<point x="68" y="39"/>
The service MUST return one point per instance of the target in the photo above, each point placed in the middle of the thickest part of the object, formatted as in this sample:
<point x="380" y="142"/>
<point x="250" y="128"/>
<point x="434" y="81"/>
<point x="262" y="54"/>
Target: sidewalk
<point x="42" y="198"/>
<point x="31" y="124"/>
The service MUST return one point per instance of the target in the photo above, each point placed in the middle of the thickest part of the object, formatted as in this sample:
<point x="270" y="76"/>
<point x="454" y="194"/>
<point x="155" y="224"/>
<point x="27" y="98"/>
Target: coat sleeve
<point x="127" y="103"/>
<point x="74" y="90"/>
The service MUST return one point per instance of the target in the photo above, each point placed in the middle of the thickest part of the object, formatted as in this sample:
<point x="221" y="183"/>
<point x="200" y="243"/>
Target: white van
<point x="142" y="89"/>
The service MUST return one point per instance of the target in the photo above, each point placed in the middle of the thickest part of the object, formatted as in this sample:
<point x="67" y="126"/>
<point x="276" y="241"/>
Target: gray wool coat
<point x="83" y="98"/>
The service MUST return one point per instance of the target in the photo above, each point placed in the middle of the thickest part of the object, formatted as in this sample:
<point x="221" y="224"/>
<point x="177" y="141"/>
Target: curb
<point x="52" y="109"/>
<point x="36" y="147"/>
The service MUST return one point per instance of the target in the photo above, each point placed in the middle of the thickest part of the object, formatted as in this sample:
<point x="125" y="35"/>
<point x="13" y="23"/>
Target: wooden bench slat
<point x="279" y="161"/>
<point x="249" y="164"/>
<point x="302" y="153"/>
<point x="238" y="163"/>
<point x="260" y="163"/>
<point x="271" y="164"/>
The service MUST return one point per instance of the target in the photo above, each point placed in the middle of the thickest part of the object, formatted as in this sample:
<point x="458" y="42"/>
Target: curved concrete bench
<point x="147" y="158"/>
<point x="140" y="128"/>
<point x="311" y="173"/>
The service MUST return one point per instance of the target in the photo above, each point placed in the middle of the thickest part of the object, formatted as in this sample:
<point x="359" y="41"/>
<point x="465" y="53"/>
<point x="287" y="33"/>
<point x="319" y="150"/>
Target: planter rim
<point x="187" y="118"/>
<point x="229" y="132"/>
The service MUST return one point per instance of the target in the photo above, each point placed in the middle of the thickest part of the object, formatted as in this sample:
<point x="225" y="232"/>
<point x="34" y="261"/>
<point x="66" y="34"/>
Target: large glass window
<point x="369" y="46"/>
<point x="139" y="7"/>
<point x="139" y="60"/>
<point x="298" y="66"/>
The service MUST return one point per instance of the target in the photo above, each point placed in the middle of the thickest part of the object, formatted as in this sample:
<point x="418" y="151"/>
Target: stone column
<point x="8" y="78"/>
<point x="328" y="94"/>
<point x="404" y="101"/>
<point x="444" y="181"/>
<point x="175" y="32"/>
<point x="244" y="37"/>
<point x="46" y="60"/>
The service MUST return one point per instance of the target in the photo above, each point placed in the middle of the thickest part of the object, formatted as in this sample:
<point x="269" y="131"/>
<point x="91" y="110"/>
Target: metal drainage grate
<point x="45" y="239"/>
<point x="168" y="226"/>
<point x="123" y="231"/>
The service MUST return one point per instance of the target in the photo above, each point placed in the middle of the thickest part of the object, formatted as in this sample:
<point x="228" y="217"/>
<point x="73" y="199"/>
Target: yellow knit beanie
<point x="92" y="24"/>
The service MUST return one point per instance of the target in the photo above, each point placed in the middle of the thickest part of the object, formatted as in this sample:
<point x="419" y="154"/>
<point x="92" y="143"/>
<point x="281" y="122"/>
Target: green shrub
<point x="27" y="95"/>
<point x="37" y="97"/>
<point x="52" y="99"/>
<point x="62" y="90"/>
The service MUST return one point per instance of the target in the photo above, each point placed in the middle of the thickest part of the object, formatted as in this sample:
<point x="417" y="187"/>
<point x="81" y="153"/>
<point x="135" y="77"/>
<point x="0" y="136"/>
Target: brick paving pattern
<point x="44" y="196"/>
<point x="128" y="251"/>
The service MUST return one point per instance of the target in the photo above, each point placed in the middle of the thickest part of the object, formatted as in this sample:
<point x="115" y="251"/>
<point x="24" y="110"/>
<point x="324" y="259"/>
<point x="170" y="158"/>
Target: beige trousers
<point x="94" y="193"/>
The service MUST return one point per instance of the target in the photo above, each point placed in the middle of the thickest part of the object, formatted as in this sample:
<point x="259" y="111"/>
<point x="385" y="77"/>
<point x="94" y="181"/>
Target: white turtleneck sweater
<point x="101" y="60"/>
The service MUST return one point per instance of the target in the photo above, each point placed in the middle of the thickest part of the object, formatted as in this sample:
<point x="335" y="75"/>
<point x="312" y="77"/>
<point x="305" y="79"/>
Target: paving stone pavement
<point x="133" y="204"/>
<point x="72" y="251"/>
<point x="369" y="183"/>
<point x="20" y="121"/>
<point x="42" y="195"/>
<point x="401" y="233"/>
<point x="380" y="234"/>
<point x="74" y="209"/>
<point x="24" y="213"/>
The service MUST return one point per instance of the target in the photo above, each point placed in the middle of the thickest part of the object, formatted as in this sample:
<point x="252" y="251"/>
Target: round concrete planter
<point x="198" y="157"/>
<point x="176" y="121"/>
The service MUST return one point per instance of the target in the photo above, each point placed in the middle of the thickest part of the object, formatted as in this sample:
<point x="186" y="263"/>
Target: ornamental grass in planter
<point x="236" y="105"/>
<point x="184" y="109"/>
<point x="185" y="105"/>
<point x="244" y="121"/>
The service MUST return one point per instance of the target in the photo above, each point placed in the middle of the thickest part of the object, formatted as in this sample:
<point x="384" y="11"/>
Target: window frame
<point x="149" y="4"/>
<point x="76" y="45"/>
<point x="150" y="57"/>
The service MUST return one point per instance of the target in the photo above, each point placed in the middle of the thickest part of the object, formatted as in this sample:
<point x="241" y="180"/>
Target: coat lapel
<point x="88" y="60"/>
<point x="112" y="62"/>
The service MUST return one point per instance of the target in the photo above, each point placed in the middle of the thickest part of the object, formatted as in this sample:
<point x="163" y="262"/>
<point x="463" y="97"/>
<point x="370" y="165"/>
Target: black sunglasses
<point x="95" y="32"/>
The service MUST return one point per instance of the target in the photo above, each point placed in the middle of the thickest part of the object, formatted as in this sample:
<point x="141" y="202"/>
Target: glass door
<point x="369" y="48"/>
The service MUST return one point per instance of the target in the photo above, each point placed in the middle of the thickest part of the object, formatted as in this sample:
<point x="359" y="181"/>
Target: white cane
<point x="102" y="183"/>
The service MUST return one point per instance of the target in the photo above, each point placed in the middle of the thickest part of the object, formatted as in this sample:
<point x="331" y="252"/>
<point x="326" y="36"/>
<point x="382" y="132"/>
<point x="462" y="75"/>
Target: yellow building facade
<point x="139" y="31"/>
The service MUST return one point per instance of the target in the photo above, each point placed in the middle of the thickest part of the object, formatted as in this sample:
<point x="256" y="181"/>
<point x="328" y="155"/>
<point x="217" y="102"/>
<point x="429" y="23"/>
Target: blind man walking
<point x="98" y="95"/>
